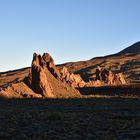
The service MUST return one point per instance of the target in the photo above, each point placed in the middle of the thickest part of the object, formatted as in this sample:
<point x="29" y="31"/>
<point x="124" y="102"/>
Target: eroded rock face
<point x="45" y="79"/>
<point x="18" y="90"/>
<point x="48" y="60"/>
<point x="37" y="78"/>
<point x="4" y="94"/>
<point x="74" y="80"/>
<point x="108" y="77"/>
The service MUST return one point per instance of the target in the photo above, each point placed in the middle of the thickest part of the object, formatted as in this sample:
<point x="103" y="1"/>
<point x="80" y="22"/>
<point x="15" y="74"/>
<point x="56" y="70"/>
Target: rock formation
<point x="108" y="77"/>
<point x="74" y="80"/>
<point x="48" y="60"/>
<point x="37" y="78"/>
<point x="4" y="94"/>
<point x="45" y="79"/>
<point x="18" y="90"/>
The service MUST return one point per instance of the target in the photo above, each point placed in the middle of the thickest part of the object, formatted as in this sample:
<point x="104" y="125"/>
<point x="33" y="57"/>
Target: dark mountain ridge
<point x="135" y="48"/>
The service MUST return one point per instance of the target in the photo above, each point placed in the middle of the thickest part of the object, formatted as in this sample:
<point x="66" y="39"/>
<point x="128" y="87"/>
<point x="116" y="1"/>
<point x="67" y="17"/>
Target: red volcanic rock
<point x="18" y="90"/>
<point x="121" y="78"/>
<point x="108" y="77"/>
<point x="4" y="94"/>
<point x="44" y="78"/>
<point x="37" y="78"/>
<point x="48" y="60"/>
<point x="74" y="80"/>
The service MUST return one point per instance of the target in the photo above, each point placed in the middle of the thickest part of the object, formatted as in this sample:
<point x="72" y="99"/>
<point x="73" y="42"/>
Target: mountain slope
<point x="127" y="62"/>
<point x="135" y="48"/>
<point x="39" y="81"/>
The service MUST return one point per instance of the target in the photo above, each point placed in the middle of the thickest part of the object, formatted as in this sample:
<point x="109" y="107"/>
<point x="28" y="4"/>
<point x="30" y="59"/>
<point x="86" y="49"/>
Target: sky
<point x="70" y="30"/>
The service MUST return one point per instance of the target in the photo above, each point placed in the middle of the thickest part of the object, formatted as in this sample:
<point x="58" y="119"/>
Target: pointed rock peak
<point x="37" y="78"/>
<point x="49" y="62"/>
<point x="35" y="60"/>
<point x="41" y="62"/>
<point x="35" y="54"/>
<point x="47" y="57"/>
<point x="44" y="78"/>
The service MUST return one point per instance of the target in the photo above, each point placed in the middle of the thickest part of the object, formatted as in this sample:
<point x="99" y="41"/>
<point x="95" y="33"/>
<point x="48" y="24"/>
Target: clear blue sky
<point x="70" y="30"/>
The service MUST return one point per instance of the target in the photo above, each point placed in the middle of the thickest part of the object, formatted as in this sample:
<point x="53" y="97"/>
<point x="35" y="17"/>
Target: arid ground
<point x="108" y="112"/>
<point x="77" y="119"/>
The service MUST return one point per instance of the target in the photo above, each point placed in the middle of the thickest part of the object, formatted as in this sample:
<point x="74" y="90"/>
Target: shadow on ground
<point x="128" y="90"/>
<point x="92" y="118"/>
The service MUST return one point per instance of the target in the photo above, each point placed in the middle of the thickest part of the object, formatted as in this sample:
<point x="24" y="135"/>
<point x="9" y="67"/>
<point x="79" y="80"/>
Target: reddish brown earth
<point x="126" y="62"/>
<point x="88" y="118"/>
<point x="41" y="81"/>
<point x="45" y="79"/>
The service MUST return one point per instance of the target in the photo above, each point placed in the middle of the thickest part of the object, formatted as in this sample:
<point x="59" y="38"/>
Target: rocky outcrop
<point x="108" y="77"/>
<point x="18" y="90"/>
<point x="74" y="80"/>
<point x="4" y="94"/>
<point x="48" y="60"/>
<point x="45" y="79"/>
<point x="37" y="79"/>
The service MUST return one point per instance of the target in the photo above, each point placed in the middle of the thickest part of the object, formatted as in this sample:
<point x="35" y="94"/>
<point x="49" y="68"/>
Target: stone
<point x="74" y="80"/>
<point x="37" y="78"/>
<point x="48" y="60"/>
<point x="108" y="77"/>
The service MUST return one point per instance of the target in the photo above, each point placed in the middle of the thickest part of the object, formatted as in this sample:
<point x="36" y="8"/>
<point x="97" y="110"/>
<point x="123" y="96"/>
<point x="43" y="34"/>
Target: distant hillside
<point x="127" y="62"/>
<point x="135" y="48"/>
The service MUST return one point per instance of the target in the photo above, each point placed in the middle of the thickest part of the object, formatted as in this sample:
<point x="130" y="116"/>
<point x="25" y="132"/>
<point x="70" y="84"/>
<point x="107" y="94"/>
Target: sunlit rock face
<point x="74" y="80"/>
<point x="105" y="76"/>
<point x="18" y="90"/>
<point x="4" y="94"/>
<point x="37" y="78"/>
<point x="45" y="78"/>
<point x="48" y="60"/>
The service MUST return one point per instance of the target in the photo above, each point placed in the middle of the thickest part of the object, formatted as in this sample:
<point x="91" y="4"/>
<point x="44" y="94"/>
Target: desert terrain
<point x="66" y="119"/>
<point x="126" y="63"/>
<point x="93" y="99"/>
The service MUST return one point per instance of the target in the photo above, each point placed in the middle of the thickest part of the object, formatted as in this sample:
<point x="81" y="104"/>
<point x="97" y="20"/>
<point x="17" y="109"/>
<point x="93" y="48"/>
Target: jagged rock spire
<point x="37" y="78"/>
